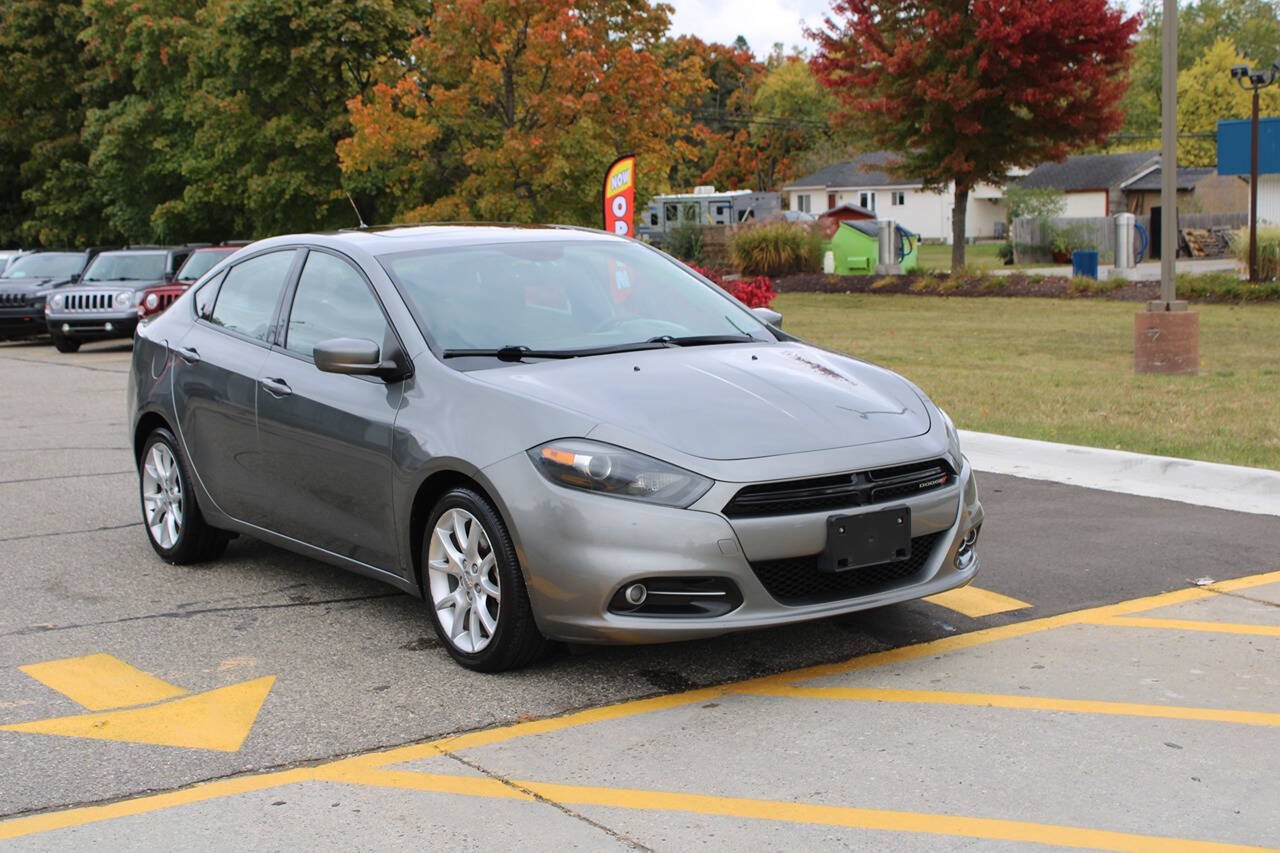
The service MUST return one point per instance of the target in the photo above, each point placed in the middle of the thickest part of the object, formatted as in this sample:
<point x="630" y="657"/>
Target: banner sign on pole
<point x="620" y="196"/>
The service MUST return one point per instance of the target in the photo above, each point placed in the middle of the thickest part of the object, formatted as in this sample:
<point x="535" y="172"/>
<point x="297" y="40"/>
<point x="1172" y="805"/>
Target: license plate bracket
<point x="866" y="539"/>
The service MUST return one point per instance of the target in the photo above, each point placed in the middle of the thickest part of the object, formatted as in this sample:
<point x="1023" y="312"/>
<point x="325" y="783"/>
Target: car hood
<point x="738" y="401"/>
<point x="22" y="285"/>
<point x="118" y="284"/>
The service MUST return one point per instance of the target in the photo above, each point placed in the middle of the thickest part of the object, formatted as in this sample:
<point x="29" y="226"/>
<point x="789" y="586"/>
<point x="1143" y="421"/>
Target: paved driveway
<point x="1015" y="711"/>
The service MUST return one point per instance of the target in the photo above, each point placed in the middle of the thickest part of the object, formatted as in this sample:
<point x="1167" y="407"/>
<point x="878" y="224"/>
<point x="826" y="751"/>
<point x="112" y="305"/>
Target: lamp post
<point x="1255" y="81"/>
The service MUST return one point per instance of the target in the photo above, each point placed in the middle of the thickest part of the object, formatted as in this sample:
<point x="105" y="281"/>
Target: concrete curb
<point x="1230" y="487"/>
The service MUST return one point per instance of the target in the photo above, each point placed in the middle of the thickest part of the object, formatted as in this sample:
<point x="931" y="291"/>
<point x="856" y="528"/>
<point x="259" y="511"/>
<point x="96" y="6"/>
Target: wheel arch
<point x="148" y="422"/>
<point x="429" y="492"/>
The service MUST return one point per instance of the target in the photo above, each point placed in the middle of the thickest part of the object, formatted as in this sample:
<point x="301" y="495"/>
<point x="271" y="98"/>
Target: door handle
<point x="278" y="387"/>
<point x="188" y="354"/>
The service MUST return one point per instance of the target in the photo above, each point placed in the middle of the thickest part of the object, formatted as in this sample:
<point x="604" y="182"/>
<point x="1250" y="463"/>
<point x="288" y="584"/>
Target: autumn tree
<point x="1206" y="95"/>
<point x="965" y="90"/>
<point x="512" y="110"/>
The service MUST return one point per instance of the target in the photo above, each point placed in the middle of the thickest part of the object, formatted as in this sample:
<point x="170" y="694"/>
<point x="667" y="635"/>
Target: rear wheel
<point x="479" y="603"/>
<point x="64" y="344"/>
<point x="175" y="527"/>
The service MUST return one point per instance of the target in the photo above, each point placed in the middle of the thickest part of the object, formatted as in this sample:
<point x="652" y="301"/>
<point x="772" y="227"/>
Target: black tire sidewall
<point x="64" y="344"/>
<point x="514" y="611"/>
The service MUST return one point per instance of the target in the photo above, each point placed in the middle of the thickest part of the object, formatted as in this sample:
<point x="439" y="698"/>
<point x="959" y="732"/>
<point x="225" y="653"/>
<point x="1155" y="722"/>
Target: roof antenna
<point x="359" y="218"/>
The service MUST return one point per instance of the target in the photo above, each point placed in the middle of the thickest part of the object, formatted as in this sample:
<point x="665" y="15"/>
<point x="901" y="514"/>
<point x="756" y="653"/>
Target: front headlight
<point x="56" y="300"/>
<point x="594" y="467"/>
<point x="953" y="440"/>
<point x="124" y="299"/>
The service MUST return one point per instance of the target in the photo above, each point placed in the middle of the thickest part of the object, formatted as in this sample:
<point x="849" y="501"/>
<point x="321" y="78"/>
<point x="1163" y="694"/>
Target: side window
<point x="247" y="299"/>
<point x="204" y="297"/>
<point x="332" y="301"/>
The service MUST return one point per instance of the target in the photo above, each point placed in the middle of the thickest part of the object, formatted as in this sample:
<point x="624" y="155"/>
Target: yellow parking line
<point x="976" y="603"/>
<point x="788" y="812"/>
<point x="81" y="815"/>
<point x="101" y="682"/>
<point x="1022" y="703"/>
<point x="1191" y="625"/>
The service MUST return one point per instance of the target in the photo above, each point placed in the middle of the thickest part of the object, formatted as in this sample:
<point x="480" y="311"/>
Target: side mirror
<point x="769" y="316"/>
<point x="354" y="357"/>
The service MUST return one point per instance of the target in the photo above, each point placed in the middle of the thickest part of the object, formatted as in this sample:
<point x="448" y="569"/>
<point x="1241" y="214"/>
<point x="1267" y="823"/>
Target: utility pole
<point x="1166" y="336"/>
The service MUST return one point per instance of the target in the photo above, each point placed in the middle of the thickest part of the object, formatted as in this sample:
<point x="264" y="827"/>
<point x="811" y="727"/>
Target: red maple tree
<point x="965" y="90"/>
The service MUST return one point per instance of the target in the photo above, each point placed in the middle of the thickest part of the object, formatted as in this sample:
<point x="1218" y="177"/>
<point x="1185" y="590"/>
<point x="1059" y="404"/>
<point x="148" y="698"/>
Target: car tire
<point x="458" y="589"/>
<point x="64" y="344"/>
<point x="170" y="515"/>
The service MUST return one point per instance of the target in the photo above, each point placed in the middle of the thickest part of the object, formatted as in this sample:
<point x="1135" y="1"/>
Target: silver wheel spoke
<point x="459" y="619"/>
<point x="486" y="619"/>
<point x="489" y="588"/>
<point x="463" y="580"/>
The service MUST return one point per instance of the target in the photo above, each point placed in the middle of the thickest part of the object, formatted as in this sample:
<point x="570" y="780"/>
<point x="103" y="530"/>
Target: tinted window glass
<point x="126" y="266"/>
<point x="198" y="264"/>
<point x="332" y="301"/>
<point x="204" y="297"/>
<point x="46" y="265"/>
<point x="248" y="295"/>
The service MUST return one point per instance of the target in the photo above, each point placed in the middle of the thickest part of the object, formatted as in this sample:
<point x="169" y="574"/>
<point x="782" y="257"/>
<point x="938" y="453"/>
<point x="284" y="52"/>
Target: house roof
<point x="851" y="208"/>
<point x="1187" y="179"/>
<point x="865" y="170"/>
<point x="1088" y="171"/>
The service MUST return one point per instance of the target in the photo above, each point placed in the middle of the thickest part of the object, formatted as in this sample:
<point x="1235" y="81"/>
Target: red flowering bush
<point x="754" y="292"/>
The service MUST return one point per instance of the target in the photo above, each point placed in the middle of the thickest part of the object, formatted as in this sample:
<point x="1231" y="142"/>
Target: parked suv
<point x="28" y="281"/>
<point x="154" y="300"/>
<point x="103" y="304"/>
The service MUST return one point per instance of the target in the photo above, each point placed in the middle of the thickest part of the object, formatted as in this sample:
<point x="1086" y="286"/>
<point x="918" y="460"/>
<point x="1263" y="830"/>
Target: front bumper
<point x="25" y="322"/>
<point x="86" y="326"/>
<point x="579" y="549"/>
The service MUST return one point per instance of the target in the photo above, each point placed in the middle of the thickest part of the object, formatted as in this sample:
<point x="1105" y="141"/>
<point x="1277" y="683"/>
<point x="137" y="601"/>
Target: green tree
<point x="791" y="113"/>
<point x="46" y="191"/>
<point x="1252" y="25"/>
<point x="269" y="82"/>
<point x="1207" y="94"/>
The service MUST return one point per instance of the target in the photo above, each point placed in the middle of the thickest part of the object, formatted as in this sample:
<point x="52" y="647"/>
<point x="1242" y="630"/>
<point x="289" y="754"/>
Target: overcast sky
<point x="762" y="22"/>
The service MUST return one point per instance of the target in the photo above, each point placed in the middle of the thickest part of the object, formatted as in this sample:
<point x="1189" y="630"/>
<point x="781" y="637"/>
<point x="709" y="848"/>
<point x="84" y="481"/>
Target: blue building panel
<point x="1233" y="146"/>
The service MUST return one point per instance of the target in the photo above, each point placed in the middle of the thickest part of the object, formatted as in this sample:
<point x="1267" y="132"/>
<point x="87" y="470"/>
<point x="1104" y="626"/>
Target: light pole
<point x="1255" y="81"/>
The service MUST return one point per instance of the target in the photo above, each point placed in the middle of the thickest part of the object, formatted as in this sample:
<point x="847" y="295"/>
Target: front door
<point x="215" y="372"/>
<point x="325" y="437"/>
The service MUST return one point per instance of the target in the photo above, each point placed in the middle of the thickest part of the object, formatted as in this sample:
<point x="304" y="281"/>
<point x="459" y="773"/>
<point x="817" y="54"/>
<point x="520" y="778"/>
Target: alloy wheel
<point x="162" y="497"/>
<point x="463" y="578"/>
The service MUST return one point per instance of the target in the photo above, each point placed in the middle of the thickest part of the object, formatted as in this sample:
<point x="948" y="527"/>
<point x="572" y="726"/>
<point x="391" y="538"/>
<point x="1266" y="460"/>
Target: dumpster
<point x="1085" y="262"/>
<point x="855" y="248"/>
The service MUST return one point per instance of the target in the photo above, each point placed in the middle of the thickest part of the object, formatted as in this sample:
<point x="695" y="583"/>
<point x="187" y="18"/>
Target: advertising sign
<point x="620" y="196"/>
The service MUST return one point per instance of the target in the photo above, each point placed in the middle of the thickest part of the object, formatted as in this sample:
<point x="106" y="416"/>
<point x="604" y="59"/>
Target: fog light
<point x="967" y="554"/>
<point x="635" y="594"/>
<point x="66" y="327"/>
<point x="109" y="327"/>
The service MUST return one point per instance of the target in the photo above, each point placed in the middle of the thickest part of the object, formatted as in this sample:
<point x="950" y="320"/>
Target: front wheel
<point x="177" y="530"/>
<point x="64" y="344"/>
<point x="479" y="603"/>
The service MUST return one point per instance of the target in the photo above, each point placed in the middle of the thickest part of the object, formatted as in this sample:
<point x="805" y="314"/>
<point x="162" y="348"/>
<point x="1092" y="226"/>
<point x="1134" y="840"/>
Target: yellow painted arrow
<point x="218" y="719"/>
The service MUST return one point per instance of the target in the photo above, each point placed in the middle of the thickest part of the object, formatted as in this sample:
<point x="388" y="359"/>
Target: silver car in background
<point x="547" y="433"/>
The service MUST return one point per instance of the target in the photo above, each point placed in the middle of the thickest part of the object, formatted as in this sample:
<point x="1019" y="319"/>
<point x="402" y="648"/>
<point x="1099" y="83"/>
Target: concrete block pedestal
<point x="1166" y="339"/>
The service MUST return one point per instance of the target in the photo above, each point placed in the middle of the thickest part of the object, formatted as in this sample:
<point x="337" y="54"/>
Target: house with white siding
<point x="863" y="181"/>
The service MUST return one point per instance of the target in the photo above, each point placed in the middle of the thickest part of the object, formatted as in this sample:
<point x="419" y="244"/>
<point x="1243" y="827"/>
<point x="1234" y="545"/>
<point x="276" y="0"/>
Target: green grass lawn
<point x="1062" y="370"/>
<point x="979" y="256"/>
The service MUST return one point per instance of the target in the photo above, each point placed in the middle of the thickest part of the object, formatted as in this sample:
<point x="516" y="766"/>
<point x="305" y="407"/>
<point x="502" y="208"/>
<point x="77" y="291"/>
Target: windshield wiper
<point x="520" y="353"/>
<point x="700" y="340"/>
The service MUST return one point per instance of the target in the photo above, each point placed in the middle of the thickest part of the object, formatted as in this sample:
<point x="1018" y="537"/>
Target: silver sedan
<point x="549" y="434"/>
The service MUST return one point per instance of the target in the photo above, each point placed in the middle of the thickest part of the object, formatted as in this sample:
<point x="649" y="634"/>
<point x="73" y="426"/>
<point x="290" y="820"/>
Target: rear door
<point x="326" y="437"/>
<point x="215" y="379"/>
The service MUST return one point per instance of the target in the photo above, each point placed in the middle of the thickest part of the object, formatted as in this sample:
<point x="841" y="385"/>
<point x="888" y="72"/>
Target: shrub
<point x="685" y="242"/>
<point x="1268" y="251"/>
<point x="754" y="292"/>
<point x="778" y="248"/>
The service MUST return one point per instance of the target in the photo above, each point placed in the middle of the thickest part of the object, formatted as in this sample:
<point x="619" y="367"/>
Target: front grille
<point x="89" y="301"/>
<point x="167" y="299"/>
<point x="840" y="491"/>
<point x="13" y="300"/>
<point x="797" y="581"/>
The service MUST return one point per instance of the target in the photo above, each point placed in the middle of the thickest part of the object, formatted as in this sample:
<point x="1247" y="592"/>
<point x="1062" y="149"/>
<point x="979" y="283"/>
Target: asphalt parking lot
<point x="1090" y="693"/>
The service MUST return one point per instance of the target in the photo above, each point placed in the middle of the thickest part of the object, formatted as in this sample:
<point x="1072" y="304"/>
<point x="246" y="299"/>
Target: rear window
<point x="126" y="266"/>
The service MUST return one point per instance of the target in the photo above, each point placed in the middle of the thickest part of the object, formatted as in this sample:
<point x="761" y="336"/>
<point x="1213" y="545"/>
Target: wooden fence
<point x="1031" y="238"/>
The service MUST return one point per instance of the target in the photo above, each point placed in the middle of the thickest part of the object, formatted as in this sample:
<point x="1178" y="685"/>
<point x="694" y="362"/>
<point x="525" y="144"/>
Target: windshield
<point x="562" y="296"/>
<point x="46" y="265"/>
<point x="126" y="266"/>
<point x="200" y="263"/>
